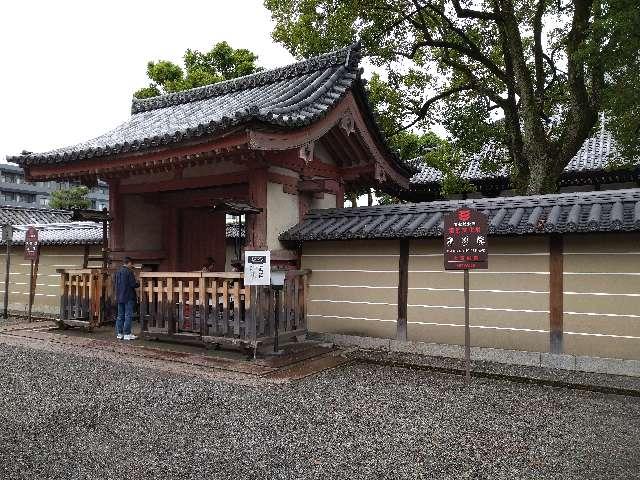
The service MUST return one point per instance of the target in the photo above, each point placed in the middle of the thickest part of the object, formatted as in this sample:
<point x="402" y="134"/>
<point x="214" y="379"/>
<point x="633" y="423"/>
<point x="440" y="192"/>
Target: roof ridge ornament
<point x="306" y="152"/>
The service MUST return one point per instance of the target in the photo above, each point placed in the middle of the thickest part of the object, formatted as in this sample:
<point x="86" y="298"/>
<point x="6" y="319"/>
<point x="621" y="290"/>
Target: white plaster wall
<point x="282" y="213"/>
<point x="329" y="201"/>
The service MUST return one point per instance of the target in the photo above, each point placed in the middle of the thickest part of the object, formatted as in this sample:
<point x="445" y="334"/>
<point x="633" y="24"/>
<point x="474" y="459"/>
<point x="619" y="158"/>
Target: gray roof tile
<point x="75" y="233"/>
<point x="12" y="215"/>
<point x="291" y="96"/>
<point x="606" y="211"/>
<point x="597" y="153"/>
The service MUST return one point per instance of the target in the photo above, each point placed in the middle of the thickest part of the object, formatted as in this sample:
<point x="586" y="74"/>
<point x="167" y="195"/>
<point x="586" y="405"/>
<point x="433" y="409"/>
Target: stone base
<point x="610" y="366"/>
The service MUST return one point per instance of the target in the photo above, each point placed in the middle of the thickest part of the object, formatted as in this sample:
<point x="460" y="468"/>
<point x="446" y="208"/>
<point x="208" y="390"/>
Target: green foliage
<point x="70" y="198"/>
<point x="222" y="62"/>
<point x="530" y="76"/>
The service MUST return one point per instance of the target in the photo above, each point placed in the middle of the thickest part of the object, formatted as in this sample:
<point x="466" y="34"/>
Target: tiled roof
<point x="76" y="233"/>
<point x="613" y="210"/>
<point x="11" y="215"/>
<point x="289" y="97"/>
<point x="597" y="153"/>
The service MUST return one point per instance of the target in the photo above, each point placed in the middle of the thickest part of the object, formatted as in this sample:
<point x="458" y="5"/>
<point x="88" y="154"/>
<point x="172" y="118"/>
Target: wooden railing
<point x="218" y="307"/>
<point x="86" y="297"/>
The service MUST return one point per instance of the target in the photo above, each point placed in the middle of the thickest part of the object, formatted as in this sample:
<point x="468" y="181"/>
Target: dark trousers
<point x="125" y="314"/>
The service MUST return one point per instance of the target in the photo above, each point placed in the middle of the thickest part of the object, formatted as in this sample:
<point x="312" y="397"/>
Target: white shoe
<point x="119" y="336"/>
<point x="130" y="337"/>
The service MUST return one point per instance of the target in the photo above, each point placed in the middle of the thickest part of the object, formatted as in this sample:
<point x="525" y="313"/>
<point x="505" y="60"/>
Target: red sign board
<point x="31" y="244"/>
<point x="465" y="240"/>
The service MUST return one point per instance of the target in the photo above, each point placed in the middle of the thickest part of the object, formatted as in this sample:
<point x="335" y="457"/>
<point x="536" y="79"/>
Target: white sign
<point x="257" y="267"/>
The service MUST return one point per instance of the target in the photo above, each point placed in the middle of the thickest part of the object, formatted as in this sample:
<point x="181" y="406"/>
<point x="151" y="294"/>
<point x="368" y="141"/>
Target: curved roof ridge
<point x="348" y="56"/>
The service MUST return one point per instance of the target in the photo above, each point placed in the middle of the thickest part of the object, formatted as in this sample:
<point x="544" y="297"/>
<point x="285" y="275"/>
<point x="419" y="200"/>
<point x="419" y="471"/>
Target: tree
<point x="70" y="198"/>
<point x="528" y="76"/>
<point x="220" y="63"/>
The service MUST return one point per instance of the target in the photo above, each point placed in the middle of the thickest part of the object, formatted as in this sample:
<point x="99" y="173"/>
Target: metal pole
<point x="31" y="292"/>
<point x="276" y="319"/>
<point x="467" y="332"/>
<point x="8" y="234"/>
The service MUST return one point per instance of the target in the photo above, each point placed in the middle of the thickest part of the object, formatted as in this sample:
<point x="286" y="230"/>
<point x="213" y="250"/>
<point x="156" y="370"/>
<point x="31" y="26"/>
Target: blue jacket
<point x="125" y="285"/>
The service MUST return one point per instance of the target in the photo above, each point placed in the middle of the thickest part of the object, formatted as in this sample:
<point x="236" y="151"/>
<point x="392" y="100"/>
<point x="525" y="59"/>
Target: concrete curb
<point x="611" y="366"/>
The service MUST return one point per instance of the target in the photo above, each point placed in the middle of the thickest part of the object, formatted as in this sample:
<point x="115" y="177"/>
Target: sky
<point x="69" y="68"/>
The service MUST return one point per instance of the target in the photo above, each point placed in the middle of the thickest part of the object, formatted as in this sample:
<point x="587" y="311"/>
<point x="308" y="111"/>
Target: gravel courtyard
<point x="70" y="417"/>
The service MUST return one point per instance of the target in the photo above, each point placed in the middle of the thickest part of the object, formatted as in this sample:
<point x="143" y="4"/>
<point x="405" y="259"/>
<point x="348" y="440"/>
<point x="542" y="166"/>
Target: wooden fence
<point x="218" y="307"/>
<point x="86" y="297"/>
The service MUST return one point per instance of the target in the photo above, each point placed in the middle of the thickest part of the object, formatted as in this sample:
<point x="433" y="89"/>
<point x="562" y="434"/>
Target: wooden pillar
<point x="403" y="289"/>
<point x="116" y="210"/>
<point x="257" y="224"/>
<point x="340" y="194"/>
<point x="304" y="204"/>
<point x="171" y="240"/>
<point x="555" y="293"/>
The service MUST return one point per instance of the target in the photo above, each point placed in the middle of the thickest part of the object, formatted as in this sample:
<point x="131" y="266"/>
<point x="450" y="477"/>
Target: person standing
<point x="125" y="286"/>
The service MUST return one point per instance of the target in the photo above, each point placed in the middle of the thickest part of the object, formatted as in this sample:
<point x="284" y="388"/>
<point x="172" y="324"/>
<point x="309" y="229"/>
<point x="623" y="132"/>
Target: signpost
<point x="465" y="247"/>
<point x="257" y="267"/>
<point x="31" y="252"/>
<point x="7" y="234"/>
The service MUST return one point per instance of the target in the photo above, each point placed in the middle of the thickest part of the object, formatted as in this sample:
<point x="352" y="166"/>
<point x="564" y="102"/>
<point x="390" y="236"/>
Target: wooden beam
<point x="116" y="209"/>
<point x="318" y="185"/>
<point x="167" y="157"/>
<point x="257" y="224"/>
<point x="556" y="247"/>
<point x="403" y="290"/>
<point x="260" y="140"/>
<point x="186" y="183"/>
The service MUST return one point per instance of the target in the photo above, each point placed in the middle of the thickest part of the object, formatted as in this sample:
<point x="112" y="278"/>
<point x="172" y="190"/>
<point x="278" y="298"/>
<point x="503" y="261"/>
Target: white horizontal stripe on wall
<point x="36" y="294"/>
<point x="480" y="327"/>
<point x="361" y="302"/>
<point x="475" y="272"/>
<point x="601" y="253"/>
<point x="479" y="272"/>
<point x="351" y="255"/>
<point x="485" y="309"/>
<point x="444" y="307"/>
<point x="433" y="289"/>
<point x="354" y="271"/>
<point x="602" y="273"/>
<point x="593" y="314"/>
<point x="528" y="254"/>
<point x="352" y="318"/>
<point x="329" y="255"/>
<point x="393" y="287"/>
<point x="604" y="294"/>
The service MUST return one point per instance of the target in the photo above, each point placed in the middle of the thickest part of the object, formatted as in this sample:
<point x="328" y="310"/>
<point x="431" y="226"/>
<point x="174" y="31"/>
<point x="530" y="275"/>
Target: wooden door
<point x="202" y="235"/>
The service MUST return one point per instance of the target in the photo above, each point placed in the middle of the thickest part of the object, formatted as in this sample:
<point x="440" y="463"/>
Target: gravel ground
<point x="70" y="417"/>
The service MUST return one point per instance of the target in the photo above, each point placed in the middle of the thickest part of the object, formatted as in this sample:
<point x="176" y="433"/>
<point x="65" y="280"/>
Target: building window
<point x="44" y="202"/>
<point x="9" y="196"/>
<point x="26" y="197"/>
